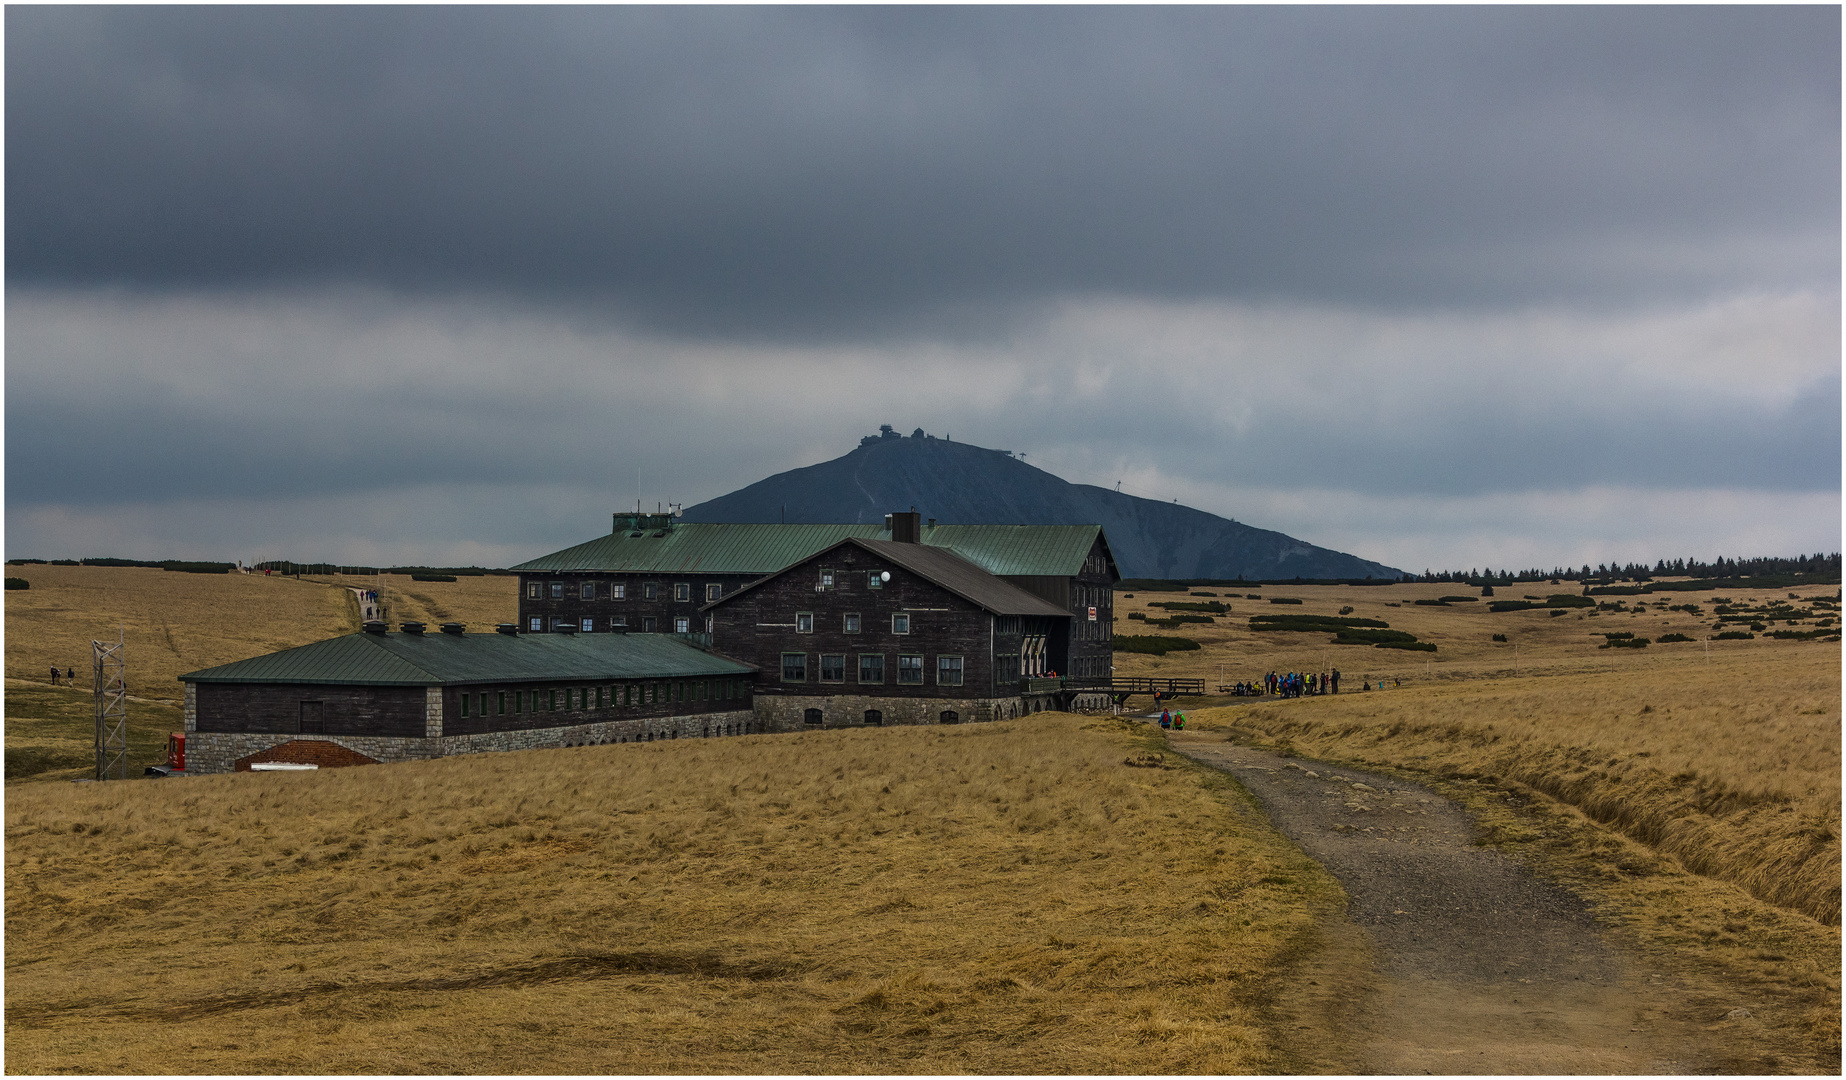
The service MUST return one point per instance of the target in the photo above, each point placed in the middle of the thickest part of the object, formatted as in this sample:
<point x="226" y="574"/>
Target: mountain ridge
<point x="960" y="483"/>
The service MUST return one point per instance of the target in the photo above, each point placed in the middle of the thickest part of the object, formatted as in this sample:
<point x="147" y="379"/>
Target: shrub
<point x="1346" y="611"/>
<point x="1471" y="599"/>
<point x="1618" y="635"/>
<point x="25" y="562"/>
<point x="1499" y="637"/>
<point x="1152" y="644"/>
<point x="1487" y="590"/>
<point x="1128" y="596"/>
<point x="1800" y="635"/>
<point x="1364" y="636"/>
<point x="1430" y="603"/>
<point x="1283" y="600"/>
<point x="1758" y="627"/>
<point x="1617" y="590"/>
<point x="1201" y="594"/>
<point x="1555" y="613"/>
<point x="1331" y="624"/>
<point x="1142" y="615"/>
<point x="1624" y="643"/>
<point x="432" y="577"/>
<point x="1214" y="606"/>
<point x="1664" y="638"/>
<point x="18" y="583"/>
<point x="1413" y="646"/>
<point x="1734" y="635"/>
<point x="1568" y="600"/>
<point x="1511" y="605"/>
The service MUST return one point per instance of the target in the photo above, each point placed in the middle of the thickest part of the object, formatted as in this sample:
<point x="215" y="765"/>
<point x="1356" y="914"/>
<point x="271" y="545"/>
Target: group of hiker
<point x="1172" y="721"/>
<point x="70" y="676"/>
<point x="1293" y="684"/>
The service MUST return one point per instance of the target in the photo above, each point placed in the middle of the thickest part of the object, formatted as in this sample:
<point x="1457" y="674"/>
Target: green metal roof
<point x="433" y="659"/>
<point x="712" y="548"/>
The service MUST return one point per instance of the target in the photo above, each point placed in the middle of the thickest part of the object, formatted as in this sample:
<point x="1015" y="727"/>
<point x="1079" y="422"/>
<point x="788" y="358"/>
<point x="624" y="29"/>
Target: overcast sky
<point x="1438" y="286"/>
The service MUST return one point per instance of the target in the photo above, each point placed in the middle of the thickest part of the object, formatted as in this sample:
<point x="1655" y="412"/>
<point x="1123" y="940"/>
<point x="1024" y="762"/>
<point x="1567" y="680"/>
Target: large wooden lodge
<point x="670" y="629"/>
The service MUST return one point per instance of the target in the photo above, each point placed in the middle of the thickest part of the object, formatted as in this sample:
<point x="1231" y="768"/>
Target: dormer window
<point x="826" y="578"/>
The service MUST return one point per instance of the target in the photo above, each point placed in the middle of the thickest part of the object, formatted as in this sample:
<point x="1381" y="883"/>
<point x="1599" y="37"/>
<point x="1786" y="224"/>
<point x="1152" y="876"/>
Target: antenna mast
<point x="111" y="708"/>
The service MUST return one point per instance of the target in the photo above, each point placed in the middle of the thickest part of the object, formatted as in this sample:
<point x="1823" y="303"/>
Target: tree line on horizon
<point x="1815" y="565"/>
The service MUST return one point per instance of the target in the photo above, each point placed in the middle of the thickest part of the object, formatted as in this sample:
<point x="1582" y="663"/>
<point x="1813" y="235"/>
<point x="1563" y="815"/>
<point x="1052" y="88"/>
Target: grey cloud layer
<point x="858" y="172"/>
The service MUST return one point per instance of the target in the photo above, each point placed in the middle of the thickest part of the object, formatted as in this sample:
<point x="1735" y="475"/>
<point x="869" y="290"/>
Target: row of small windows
<point x="843" y="579"/>
<point x="586" y="698"/>
<point x="849" y="623"/>
<point x="816" y="718"/>
<point x="588" y="590"/>
<point x="682" y="624"/>
<point x="871" y="669"/>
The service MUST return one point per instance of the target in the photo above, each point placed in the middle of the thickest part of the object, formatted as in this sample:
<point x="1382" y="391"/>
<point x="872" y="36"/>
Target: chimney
<point x="374" y="626"/>
<point x="906" y="527"/>
<point x="453" y="627"/>
<point x="411" y="627"/>
<point x="508" y="628"/>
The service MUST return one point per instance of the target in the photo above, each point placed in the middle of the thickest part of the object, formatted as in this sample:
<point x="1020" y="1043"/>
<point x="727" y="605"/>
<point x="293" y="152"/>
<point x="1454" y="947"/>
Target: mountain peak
<point x="960" y="483"/>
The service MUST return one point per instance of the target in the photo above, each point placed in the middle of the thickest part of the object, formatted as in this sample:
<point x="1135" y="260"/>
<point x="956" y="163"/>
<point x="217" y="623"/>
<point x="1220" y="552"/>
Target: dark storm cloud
<point x="815" y="170"/>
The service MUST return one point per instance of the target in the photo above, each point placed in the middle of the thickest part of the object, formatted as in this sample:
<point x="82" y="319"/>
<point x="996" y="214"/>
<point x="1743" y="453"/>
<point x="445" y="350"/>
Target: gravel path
<point x="1476" y="965"/>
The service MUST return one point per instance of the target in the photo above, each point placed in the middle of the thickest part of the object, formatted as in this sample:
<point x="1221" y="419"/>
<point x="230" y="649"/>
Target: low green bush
<point x="1734" y="635"/>
<point x="1800" y="635"/>
<point x="1413" y="646"/>
<point x="1153" y="645"/>
<point x="1467" y="599"/>
<point x="1142" y="615"/>
<point x="1568" y="600"/>
<point x="1214" y="606"/>
<point x="18" y="583"/>
<point x="25" y="562"/>
<point x="1366" y="636"/>
<point x="1618" y="635"/>
<point x="1617" y="590"/>
<point x="1346" y="611"/>
<point x="1499" y="637"/>
<point x="1512" y="605"/>
<point x="1555" y="613"/>
<point x="1332" y="624"/>
<point x="1664" y="638"/>
<point x="1430" y="603"/>
<point x="1283" y="600"/>
<point x="1624" y="643"/>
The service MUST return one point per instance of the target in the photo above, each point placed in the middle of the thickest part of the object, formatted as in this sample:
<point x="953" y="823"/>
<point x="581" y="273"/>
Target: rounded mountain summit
<point x="960" y="484"/>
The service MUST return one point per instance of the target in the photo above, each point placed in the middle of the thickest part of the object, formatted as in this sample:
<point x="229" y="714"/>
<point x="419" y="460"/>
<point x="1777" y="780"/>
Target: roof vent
<point x="507" y="628"/>
<point x="564" y="628"/>
<point x="634" y="534"/>
<point x="373" y="626"/>
<point x="453" y="627"/>
<point x="411" y="627"/>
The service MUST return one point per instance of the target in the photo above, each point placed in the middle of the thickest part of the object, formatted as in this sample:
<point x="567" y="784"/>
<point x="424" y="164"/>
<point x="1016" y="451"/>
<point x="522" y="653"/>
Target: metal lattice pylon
<point x="111" y="709"/>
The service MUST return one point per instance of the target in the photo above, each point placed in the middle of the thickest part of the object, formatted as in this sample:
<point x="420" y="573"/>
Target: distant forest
<point x="1816" y="567"/>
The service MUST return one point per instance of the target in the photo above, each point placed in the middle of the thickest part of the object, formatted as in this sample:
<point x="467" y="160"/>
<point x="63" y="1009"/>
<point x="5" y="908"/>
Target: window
<point x="618" y="592"/>
<point x="948" y="671"/>
<point x="909" y="670"/>
<point x="557" y="590"/>
<point x="949" y="716"/>
<point x="500" y="703"/>
<point x="833" y="668"/>
<point x="588" y="591"/>
<point x="483" y="703"/>
<point x="647" y="624"/>
<point x="589" y="625"/>
<point x="713" y="592"/>
<point x="682" y="593"/>
<point x="682" y="625"/>
<point x="804" y="622"/>
<point x="599" y="697"/>
<point x="871" y="668"/>
<point x="900" y="624"/>
<point x="850" y="623"/>
<point x="551" y="701"/>
<point x="464" y="705"/>
<point x="794" y="667"/>
<point x="874" y="580"/>
<point x="532" y="590"/>
<point x="874" y="717"/>
<point x="618" y="622"/>
<point x="536" y="624"/>
<point x="647" y="591"/>
<point x="826" y="578"/>
<point x="812" y="717"/>
<point x="519" y="701"/>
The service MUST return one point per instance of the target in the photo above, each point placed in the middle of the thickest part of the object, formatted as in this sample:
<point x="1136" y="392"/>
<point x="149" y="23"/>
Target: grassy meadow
<point x="173" y="623"/>
<point x="996" y="898"/>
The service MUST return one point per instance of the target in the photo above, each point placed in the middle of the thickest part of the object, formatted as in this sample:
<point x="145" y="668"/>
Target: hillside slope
<point x="957" y="483"/>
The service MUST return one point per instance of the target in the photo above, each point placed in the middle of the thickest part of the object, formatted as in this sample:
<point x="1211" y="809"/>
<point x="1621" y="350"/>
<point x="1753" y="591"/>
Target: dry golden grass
<point x="990" y="898"/>
<point x="1463" y="633"/>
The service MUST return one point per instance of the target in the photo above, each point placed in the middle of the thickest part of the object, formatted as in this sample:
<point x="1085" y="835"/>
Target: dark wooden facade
<point x="592" y="601"/>
<point x="809" y="612"/>
<point x="526" y="706"/>
<point x="311" y="709"/>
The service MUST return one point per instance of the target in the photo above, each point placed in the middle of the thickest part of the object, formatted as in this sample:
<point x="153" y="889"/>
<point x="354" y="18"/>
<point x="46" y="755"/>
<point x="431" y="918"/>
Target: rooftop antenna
<point x="111" y="708"/>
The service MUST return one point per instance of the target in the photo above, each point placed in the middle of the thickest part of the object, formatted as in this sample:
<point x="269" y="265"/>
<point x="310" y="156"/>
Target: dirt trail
<point x="1454" y="958"/>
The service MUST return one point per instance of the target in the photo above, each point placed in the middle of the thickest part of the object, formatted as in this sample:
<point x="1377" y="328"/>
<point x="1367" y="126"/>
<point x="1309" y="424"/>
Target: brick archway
<point x="328" y="755"/>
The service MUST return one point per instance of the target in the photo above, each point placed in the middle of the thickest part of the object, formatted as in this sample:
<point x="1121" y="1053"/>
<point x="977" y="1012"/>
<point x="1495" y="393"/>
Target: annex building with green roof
<point x="378" y="696"/>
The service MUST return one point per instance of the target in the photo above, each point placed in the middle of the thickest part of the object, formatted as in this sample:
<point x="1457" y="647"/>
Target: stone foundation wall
<point x="788" y="712"/>
<point x="217" y="752"/>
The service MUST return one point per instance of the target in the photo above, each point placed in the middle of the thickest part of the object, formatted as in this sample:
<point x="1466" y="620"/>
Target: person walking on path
<point x="54" y="674"/>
